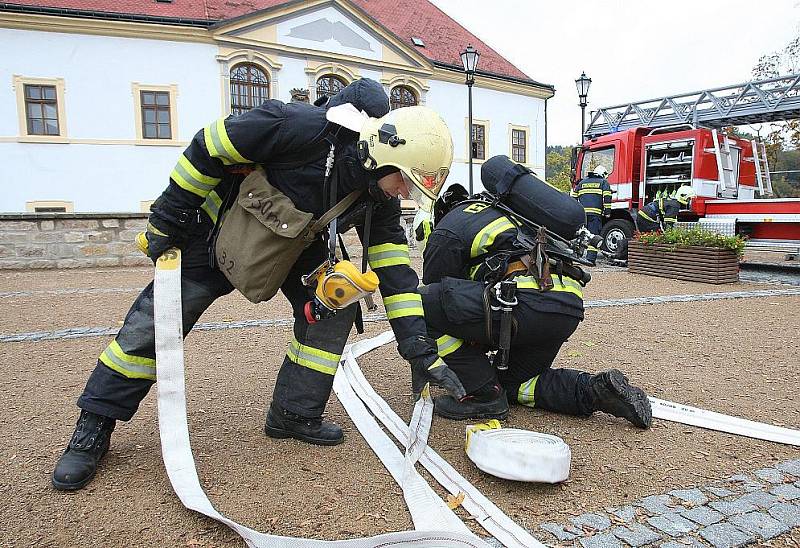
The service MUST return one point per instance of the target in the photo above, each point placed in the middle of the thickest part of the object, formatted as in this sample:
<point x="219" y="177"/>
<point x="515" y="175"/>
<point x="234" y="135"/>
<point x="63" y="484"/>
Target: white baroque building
<point x="99" y="97"/>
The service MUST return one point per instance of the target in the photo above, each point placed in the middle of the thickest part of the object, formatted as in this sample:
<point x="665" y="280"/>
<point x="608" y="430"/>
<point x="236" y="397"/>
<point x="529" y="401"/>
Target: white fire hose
<point x="436" y="525"/>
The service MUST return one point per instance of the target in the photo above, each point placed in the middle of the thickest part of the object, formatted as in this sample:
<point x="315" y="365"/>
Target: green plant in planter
<point x="681" y="237"/>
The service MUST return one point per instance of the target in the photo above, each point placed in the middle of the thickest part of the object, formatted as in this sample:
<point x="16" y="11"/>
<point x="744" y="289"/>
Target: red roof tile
<point x="444" y="38"/>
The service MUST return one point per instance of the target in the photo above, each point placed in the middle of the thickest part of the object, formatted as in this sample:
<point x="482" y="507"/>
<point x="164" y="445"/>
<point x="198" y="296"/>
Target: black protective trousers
<point x="299" y="389"/>
<point x="455" y="308"/>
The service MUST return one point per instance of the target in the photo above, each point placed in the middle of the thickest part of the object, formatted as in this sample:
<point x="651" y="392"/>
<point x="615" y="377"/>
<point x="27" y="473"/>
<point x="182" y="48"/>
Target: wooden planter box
<point x="697" y="264"/>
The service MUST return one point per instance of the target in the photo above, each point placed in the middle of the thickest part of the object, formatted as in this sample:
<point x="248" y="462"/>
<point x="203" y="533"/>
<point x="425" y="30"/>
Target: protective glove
<point x="422" y="232"/>
<point x="162" y="234"/>
<point x="432" y="369"/>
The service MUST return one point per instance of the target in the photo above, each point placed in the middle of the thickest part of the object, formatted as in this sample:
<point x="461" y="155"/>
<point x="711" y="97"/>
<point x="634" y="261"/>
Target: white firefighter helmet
<point x="599" y="171"/>
<point x="416" y="141"/>
<point x="684" y="194"/>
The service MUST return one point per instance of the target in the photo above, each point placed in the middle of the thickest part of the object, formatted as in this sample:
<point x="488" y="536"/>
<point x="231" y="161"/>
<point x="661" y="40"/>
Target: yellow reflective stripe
<point x="313" y="358"/>
<point x="606" y="193"/>
<point x="233" y="154"/>
<point x="189" y="178"/>
<point x="670" y="219"/>
<point x="646" y="216"/>
<point x="592" y="248"/>
<point x="447" y="345"/>
<point x="133" y="367"/>
<point x="438" y="363"/>
<point x="219" y="144"/>
<point x="473" y="271"/>
<point x="403" y="304"/>
<point x="154" y="230"/>
<point x="486" y="236"/>
<point x="592" y="210"/>
<point x="384" y="255"/>
<point x="525" y="395"/>
<point x="589" y="191"/>
<point x="568" y="285"/>
<point x="211" y="205"/>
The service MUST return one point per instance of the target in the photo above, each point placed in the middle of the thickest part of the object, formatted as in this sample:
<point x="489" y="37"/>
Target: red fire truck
<point x="652" y="147"/>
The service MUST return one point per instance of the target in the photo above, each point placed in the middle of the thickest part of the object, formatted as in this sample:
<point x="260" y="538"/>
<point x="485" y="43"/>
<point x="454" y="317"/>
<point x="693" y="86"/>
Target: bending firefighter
<point x="300" y="152"/>
<point x="486" y="290"/>
<point x="594" y="194"/>
<point x="662" y="213"/>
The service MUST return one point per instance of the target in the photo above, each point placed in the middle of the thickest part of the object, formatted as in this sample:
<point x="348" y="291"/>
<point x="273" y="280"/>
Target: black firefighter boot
<point x="285" y="424"/>
<point x="611" y="393"/>
<point x="89" y="443"/>
<point x="487" y="402"/>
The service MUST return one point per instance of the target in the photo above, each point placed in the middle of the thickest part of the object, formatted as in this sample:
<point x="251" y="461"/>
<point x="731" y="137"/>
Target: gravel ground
<point x="732" y="356"/>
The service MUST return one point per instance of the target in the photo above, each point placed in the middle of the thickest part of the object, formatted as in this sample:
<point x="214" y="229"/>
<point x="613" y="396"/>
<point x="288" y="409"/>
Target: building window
<point x="249" y="87"/>
<point x="478" y="142"/>
<point x="154" y="108"/>
<point x="156" y="115"/>
<point x="49" y="206"/>
<point x="519" y="145"/>
<point x="402" y="96"/>
<point x="41" y="110"/>
<point x="328" y="85"/>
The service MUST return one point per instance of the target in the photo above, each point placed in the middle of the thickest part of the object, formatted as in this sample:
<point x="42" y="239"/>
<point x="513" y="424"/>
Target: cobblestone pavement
<point x="739" y="510"/>
<point x="82" y="332"/>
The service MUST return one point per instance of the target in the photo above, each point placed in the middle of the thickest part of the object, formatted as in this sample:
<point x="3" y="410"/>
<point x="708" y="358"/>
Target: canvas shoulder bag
<point x="263" y="234"/>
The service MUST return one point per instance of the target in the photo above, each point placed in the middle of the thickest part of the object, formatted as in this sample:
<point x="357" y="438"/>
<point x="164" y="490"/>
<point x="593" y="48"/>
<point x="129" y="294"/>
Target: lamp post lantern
<point x="469" y="58"/>
<point x="583" y="84"/>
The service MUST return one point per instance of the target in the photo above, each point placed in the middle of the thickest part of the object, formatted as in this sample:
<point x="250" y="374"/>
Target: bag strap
<point x="320" y="224"/>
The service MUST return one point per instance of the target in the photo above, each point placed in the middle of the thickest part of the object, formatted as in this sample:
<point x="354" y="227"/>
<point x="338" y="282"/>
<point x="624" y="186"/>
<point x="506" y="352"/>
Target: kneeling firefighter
<point x="305" y="169"/>
<point x="501" y="274"/>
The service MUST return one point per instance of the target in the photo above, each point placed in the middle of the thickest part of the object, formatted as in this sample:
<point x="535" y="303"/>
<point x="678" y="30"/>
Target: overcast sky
<point x="631" y="49"/>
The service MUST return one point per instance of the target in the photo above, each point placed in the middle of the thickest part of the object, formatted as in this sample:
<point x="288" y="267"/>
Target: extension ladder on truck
<point x="762" y="168"/>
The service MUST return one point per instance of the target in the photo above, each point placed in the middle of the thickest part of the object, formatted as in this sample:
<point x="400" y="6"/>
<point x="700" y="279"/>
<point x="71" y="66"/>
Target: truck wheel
<point x="614" y="232"/>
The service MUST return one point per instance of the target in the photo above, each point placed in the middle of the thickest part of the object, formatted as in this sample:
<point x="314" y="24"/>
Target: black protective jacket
<point x="594" y="194"/>
<point x="292" y="141"/>
<point x="465" y="243"/>
<point x="660" y="212"/>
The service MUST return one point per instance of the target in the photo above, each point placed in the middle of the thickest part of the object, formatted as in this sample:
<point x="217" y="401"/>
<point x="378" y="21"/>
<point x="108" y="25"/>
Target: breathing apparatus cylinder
<point x="531" y="197"/>
<point x="338" y="286"/>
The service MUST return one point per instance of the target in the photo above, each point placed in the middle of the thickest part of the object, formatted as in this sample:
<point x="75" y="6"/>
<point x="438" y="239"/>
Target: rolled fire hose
<point x="177" y="453"/>
<point x="519" y="455"/>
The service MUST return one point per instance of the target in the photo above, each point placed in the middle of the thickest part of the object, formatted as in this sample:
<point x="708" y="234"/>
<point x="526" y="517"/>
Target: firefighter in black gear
<point x="662" y="213"/>
<point x="594" y="194"/>
<point x="469" y="246"/>
<point x="291" y="142"/>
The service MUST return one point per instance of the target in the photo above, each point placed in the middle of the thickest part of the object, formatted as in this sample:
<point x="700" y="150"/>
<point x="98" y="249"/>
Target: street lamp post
<point x="583" y="84"/>
<point x="469" y="58"/>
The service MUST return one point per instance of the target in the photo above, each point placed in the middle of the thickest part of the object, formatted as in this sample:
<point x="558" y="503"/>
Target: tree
<point x="774" y="65"/>
<point x="557" y="167"/>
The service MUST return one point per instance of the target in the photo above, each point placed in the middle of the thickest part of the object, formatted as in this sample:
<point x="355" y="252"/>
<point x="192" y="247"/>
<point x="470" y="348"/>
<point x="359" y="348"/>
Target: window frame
<point x="172" y="89"/>
<point x="30" y="206"/>
<point x="526" y="130"/>
<point x="407" y="88"/>
<point x="19" y="83"/>
<point x="332" y="75"/>
<point x="268" y="86"/>
<point x="486" y="127"/>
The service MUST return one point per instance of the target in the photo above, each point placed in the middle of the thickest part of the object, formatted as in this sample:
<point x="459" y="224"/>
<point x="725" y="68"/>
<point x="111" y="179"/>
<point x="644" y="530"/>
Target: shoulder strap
<point x="335" y="211"/>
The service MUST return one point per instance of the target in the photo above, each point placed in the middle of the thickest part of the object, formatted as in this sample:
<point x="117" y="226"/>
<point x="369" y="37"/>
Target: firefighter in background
<point x="662" y="213"/>
<point x="392" y="156"/>
<point x="462" y="251"/>
<point x="594" y="194"/>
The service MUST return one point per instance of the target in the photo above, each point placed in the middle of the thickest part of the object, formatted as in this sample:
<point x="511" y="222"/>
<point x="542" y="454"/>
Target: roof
<point x="444" y="38"/>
